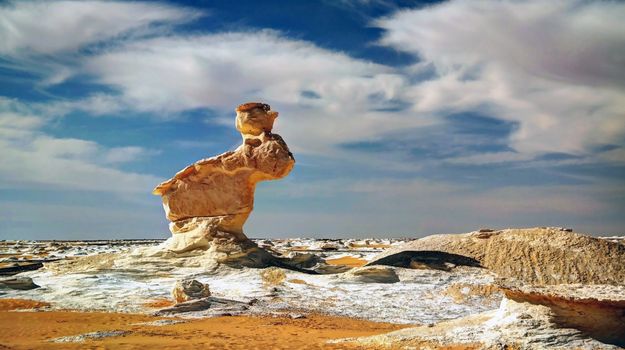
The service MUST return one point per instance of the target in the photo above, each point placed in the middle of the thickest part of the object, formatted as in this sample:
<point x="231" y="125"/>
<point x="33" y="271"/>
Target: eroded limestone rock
<point x="186" y="290"/>
<point x="534" y="255"/>
<point x="595" y="310"/>
<point x="372" y="274"/>
<point x="515" y="325"/>
<point x="209" y="201"/>
<point x="19" y="283"/>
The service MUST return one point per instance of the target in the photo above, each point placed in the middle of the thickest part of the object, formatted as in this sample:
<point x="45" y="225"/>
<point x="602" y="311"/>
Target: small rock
<point x="373" y="274"/>
<point x="19" y="283"/>
<point x="329" y="247"/>
<point x="89" y="336"/>
<point x="160" y="323"/>
<point x="186" y="290"/>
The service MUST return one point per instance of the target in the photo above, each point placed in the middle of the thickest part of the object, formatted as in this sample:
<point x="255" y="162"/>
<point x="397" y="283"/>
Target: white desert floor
<point x="132" y="280"/>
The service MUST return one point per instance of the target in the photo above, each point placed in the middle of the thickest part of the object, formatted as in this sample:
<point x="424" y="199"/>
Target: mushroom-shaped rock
<point x="209" y="201"/>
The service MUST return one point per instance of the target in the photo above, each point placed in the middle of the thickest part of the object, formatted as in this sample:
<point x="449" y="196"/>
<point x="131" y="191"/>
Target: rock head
<point x="209" y="201"/>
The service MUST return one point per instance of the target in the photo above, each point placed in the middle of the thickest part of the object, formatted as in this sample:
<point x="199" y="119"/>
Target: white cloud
<point x="555" y="67"/>
<point x="31" y="158"/>
<point x="127" y="154"/>
<point x="45" y="37"/>
<point x="490" y="158"/>
<point x="50" y="27"/>
<point x="220" y="71"/>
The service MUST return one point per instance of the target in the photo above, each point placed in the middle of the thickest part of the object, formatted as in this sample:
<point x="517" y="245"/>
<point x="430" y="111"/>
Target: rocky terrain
<point x="537" y="255"/>
<point x="561" y="290"/>
<point x="447" y="303"/>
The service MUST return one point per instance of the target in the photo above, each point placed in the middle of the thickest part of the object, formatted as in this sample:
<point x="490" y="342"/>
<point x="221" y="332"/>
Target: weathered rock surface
<point x="518" y="325"/>
<point x="15" y="268"/>
<point x="595" y="310"/>
<point x="211" y="306"/>
<point x="19" y="283"/>
<point x="536" y="255"/>
<point x="372" y="274"/>
<point x="186" y="290"/>
<point x="209" y="201"/>
<point x="562" y="290"/>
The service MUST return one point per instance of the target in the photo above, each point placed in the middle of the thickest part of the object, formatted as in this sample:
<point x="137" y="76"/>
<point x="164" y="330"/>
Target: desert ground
<point x="344" y="294"/>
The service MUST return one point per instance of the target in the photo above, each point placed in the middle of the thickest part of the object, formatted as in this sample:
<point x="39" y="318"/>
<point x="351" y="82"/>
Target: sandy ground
<point x="33" y="330"/>
<point x="347" y="261"/>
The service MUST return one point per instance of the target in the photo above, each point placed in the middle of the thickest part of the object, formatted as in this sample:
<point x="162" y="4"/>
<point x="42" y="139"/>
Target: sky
<point x="406" y="118"/>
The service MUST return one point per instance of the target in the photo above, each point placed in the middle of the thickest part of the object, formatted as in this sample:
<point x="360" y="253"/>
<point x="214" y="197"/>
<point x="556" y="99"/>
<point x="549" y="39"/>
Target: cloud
<point x="127" y="154"/>
<point x="46" y="37"/>
<point x="315" y="89"/>
<point x="51" y="27"/>
<point x="490" y="158"/>
<point x="554" y="67"/>
<point x="33" y="159"/>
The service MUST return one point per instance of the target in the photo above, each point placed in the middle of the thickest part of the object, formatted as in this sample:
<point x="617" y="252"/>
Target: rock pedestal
<point x="209" y="201"/>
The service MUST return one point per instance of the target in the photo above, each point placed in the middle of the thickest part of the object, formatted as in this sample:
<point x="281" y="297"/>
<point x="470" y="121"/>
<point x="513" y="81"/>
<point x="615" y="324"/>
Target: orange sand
<point x="31" y="330"/>
<point x="159" y="303"/>
<point x="347" y="261"/>
<point x="297" y="281"/>
<point x="17" y="304"/>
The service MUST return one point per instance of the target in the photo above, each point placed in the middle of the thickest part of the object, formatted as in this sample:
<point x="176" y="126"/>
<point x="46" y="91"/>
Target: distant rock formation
<point x="535" y="255"/>
<point x="209" y="201"/>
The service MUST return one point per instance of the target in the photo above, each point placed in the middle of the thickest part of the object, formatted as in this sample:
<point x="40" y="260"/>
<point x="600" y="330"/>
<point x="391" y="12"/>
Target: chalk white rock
<point x="186" y="290"/>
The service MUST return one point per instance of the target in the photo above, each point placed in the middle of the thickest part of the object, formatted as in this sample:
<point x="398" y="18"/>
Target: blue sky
<point x="406" y="118"/>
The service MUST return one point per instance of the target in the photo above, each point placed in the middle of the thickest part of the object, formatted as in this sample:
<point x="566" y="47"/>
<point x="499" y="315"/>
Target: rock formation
<point x="519" y="323"/>
<point x="209" y="201"/>
<point x="595" y="310"/>
<point x="371" y="274"/>
<point x="186" y="290"/>
<point x="560" y="288"/>
<point x="536" y="255"/>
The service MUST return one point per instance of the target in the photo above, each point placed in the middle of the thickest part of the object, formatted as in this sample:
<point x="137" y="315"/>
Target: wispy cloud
<point x="314" y="88"/>
<point x="554" y="67"/>
<point x="57" y="30"/>
<point x="32" y="158"/>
